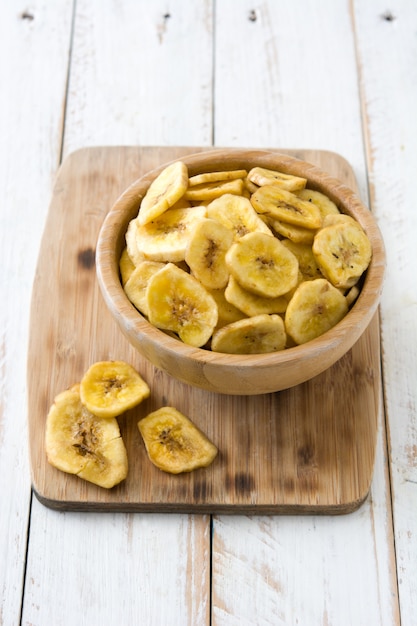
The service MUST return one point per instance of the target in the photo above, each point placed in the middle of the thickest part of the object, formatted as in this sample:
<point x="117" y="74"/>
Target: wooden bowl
<point x="226" y="373"/>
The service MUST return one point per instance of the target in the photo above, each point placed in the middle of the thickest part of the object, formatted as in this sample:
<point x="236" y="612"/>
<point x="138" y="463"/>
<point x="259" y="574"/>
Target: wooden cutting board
<point x="309" y="449"/>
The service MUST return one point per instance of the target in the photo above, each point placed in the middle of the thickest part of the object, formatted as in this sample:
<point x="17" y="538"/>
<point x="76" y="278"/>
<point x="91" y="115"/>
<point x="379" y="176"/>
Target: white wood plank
<point x="387" y="48"/>
<point x="284" y="73"/>
<point x="300" y="89"/>
<point x="101" y="568"/>
<point x="142" y="74"/>
<point x="134" y="79"/>
<point x="34" y="44"/>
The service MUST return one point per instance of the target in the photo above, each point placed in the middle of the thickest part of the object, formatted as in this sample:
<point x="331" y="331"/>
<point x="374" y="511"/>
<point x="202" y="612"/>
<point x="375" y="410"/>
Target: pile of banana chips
<point x="241" y="262"/>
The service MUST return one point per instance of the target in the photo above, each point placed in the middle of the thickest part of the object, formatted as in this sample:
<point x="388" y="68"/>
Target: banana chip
<point x="315" y="307"/>
<point x="167" y="188"/>
<point x="252" y="335"/>
<point x="210" y="191"/>
<point x="165" y="238"/>
<point x="261" y="176"/>
<point x="307" y="263"/>
<point x="285" y="206"/>
<point x="343" y="252"/>
<point x="109" y="388"/>
<point x="137" y="283"/>
<point x="126" y="266"/>
<point x="324" y="204"/>
<point x="173" y="443"/>
<point x="237" y="214"/>
<point x="250" y="303"/>
<point x="206" y="251"/>
<point x="178" y="302"/>
<point x="262" y="265"/>
<point x="135" y="254"/>
<point x="227" y="312"/>
<point x="213" y="177"/>
<point x="78" y="442"/>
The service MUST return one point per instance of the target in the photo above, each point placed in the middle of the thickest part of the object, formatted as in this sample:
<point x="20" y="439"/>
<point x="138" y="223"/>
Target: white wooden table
<point x="337" y="75"/>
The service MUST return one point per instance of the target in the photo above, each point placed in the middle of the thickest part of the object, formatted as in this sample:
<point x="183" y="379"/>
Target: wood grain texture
<point x="33" y="47"/>
<point x="150" y="569"/>
<point x="307" y="449"/>
<point x="386" y="38"/>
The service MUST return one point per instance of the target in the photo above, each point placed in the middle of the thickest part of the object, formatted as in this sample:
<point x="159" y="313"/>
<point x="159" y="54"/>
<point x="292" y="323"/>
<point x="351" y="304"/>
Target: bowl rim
<point x="113" y="229"/>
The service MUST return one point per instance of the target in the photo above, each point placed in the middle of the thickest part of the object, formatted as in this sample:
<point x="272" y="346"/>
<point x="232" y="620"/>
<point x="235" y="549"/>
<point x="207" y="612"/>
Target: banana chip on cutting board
<point x="82" y="435"/>
<point x="78" y="442"/>
<point x="109" y="388"/>
<point x="173" y="443"/>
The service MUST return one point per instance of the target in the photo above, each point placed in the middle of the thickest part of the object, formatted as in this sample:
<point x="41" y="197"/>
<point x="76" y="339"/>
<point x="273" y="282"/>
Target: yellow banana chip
<point x="252" y="335"/>
<point x="126" y="266"/>
<point x="212" y="177"/>
<point x="237" y="214"/>
<point x="109" y="388"/>
<point x="250" y="303"/>
<point x="165" y="238"/>
<point x="315" y="307"/>
<point x="285" y="206"/>
<point x="210" y="191"/>
<point x="173" y="443"/>
<point x="343" y="252"/>
<point x="206" y="251"/>
<point x="78" y="442"/>
<point x="178" y="302"/>
<point x="137" y="283"/>
<point x="298" y="234"/>
<point x="324" y="204"/>
<point x="167" y="188"/>
<point x="261" y="176"/>
<point x="262" y="265"/>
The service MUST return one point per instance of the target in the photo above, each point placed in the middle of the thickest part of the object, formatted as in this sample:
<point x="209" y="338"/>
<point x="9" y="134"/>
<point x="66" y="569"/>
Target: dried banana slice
<point x="126" y="266"/>
<point x="343" y="252"/>
<point x="262" y="265"/>
<point x="213" y="177"/>
<point x="135" y="287"/>
<point x="298" y="234"/>
<point x="78" y="442"/>
<point x="352" y="295"/>
<point x="306" y="260"/>
<point x="323" y="202"/>
<point x="167" y="188"/>
<point x="250" y="303"/>
<point x="136" y="255"/>
<point x="182" y="203"/>
<point x="262" y="176"/>
<point x="109" y="388"/>
<point x="250" y="186"/>
<point x="173" y="443"/>
<point x="210" y="191"/>
<point x="178" y="302"/>
<point x="285" y="206"/>
<point x="206" y="251"/>
<point x="227" y="312"/>
<point x="315" y="307"/>
<point x="237" y="214"/>
<point x="253" y="335"/>
<point x="165" y="239"/>
<point x="339" y="218"/>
